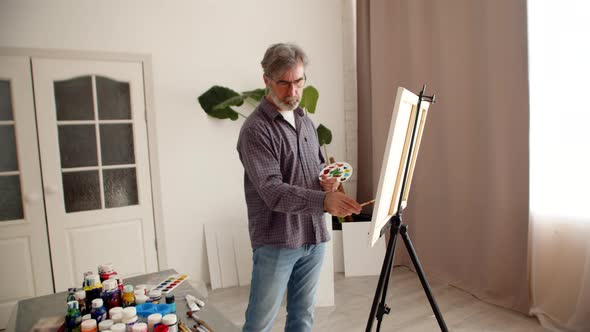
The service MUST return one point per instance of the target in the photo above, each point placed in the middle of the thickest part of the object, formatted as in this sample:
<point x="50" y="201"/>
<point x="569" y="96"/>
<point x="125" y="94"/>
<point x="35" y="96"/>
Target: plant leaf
<point x="233" y="101"/>
<point x="309" y="99"/>
<point x="215" y="96"/>
<point x="257" y="94"/>
<point x="324" y="135"/>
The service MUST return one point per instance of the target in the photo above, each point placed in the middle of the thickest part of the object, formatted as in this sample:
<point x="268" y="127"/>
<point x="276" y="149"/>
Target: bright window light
<point x="559" y="83"/>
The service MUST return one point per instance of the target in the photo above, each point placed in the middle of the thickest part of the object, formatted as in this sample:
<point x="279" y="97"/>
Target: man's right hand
<point x="340" y="205"/>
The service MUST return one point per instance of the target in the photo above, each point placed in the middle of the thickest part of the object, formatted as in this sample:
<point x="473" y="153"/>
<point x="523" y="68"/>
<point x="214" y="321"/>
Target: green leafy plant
<point x="222" y="102"/>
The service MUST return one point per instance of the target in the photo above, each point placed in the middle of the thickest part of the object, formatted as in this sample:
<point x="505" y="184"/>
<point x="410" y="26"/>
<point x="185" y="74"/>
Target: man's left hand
<point x="329" y="185"/>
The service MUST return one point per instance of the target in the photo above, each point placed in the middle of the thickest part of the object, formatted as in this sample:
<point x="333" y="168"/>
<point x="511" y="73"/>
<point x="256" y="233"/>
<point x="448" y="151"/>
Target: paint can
<point x="154" y="320"/>
<point x="93" y="288"/>
<point x="119" y="282"/>
<point x="155" y="296"/>
<point x="105" y="271"/>
<point x="80" y="296"/>
<point x="140" y="299"/>
<point x="105" y="325"/>
<point x="129" y="317"/>
<point x="73" y="317"/>
<point x="171" y="302"/>
<point x="142" y="288"/>
<point x="98" y="311"/>
<point x="114" y="311"/>
<point x="128" y="298"/>
<point x="140" y="327"/>
<point x="171" y="321"/>
<point x="89" y="326"/>
<point x="118" y="327"/>
<point x="110" y="294"/>
<point x="71" y="293"/>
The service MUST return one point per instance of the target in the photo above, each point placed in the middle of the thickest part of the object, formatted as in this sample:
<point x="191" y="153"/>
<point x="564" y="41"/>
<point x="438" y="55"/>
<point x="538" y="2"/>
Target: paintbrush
<point x="200" y="322"/>
<point x="368" y="202"/>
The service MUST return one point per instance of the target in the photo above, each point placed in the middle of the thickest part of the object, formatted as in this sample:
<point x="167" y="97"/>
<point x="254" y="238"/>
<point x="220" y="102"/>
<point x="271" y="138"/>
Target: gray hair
<point x="280" y="57"/>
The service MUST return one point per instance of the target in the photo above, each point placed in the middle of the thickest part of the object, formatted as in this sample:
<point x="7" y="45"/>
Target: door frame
<point x="146" y="62"/>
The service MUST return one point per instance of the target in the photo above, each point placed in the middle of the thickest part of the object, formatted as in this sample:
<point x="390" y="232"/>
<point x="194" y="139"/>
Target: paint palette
<point x="170" y="283"/>
<point x="342" y="171"/>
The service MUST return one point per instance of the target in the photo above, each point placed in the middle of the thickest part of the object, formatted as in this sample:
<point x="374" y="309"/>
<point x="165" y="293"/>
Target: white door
<point x="25" y="269"/>
<point x="94" y="158"/>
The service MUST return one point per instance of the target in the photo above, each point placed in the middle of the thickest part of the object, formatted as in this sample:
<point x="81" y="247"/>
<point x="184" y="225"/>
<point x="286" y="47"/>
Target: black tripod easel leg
<point x="378" y="309"/>
<point x="425" y="286"/>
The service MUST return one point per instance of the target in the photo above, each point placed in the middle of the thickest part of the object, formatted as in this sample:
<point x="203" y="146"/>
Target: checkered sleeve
<point x="263" y="169"/>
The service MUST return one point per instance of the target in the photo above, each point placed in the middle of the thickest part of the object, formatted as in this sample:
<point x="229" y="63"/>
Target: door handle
<point x="51" y="190"/>
<point x="32" y="198"/>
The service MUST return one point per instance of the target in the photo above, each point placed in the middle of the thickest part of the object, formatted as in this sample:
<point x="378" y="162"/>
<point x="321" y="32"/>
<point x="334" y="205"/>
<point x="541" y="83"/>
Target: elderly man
<point x="280" y="152"/>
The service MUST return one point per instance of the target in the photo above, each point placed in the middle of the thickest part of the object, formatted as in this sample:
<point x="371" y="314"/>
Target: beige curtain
<point x="468" y="207"/>
<point x="561" y="271"/>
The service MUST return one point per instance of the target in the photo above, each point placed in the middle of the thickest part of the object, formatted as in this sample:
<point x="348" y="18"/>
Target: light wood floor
<point x="410" y="311"/>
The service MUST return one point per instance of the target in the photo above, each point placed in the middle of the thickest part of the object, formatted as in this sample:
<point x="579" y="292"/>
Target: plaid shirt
<point x="282" y="164"/>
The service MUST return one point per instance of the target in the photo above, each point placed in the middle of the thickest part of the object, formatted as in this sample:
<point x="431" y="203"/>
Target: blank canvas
<point x="403" y="119"/>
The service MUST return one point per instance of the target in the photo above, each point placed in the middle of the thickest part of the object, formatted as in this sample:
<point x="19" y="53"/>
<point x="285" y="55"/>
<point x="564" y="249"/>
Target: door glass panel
<point x="5" y="101"/>
<point x="120" y="187"/>
<point x="8" y="158"/>
<point x="116" y="144"/>
<point x="81" y="191"/>
<point x="114" y="99"/>
<point x="11" y="205"/>
<point x="77" y="145"/>
<point x="87" y="189"/>
<point x="73" y="99"/>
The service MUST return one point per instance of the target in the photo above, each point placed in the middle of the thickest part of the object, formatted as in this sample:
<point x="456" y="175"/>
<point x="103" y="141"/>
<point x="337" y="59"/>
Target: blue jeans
<point x="277" y="269"/>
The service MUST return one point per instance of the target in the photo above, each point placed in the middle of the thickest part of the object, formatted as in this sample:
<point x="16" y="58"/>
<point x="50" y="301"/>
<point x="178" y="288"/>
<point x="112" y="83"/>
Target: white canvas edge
<point x="385" y="189"/>
<point x="212" y="256"/>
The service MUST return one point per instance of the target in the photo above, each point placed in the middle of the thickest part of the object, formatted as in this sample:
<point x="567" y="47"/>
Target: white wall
<point x="194" y="44"/>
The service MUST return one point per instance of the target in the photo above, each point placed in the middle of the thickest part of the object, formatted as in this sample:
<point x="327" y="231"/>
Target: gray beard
<point x="291" y="105"/>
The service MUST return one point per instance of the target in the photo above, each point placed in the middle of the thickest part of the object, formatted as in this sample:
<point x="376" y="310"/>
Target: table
<point x="28" y="312"/>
